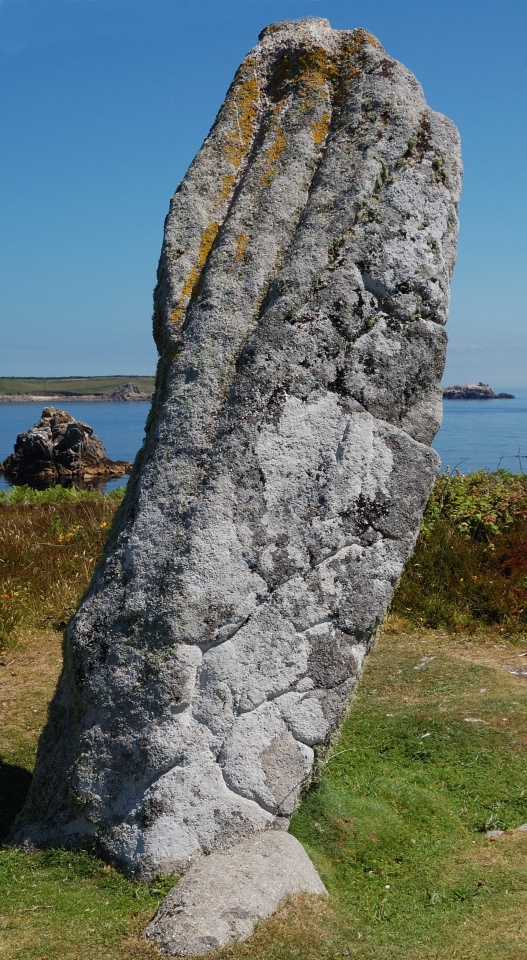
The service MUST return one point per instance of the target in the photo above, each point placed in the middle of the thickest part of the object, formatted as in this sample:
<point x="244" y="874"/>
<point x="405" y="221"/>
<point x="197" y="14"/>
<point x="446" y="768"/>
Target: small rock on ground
<point x="499" y="833"/>
<point x="223" y="895"/>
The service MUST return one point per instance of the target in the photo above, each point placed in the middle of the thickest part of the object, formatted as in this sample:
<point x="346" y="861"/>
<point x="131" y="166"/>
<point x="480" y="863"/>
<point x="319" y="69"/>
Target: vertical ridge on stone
<point x="302" y="291"/>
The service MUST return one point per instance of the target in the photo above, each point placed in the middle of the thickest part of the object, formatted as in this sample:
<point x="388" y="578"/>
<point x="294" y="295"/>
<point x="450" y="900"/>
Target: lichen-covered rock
<point x="303" y="287"/>
<point x="59" y="448"/>
<point x="223" y="896"/>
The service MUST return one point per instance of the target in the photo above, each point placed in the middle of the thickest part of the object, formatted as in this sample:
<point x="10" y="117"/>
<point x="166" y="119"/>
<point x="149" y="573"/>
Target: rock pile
<point x="303" y="287"/>
<point x="60" y="448"/>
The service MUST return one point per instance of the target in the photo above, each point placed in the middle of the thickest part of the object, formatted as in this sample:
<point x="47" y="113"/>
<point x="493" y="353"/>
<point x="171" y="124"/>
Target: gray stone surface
<point x="302" y="290"/>
<point x="222" y="896"/>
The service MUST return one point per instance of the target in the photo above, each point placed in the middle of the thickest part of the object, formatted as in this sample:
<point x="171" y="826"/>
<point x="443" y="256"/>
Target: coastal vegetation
<point x="70" y="386"/>
<point x="469" y="567"/>
<point x="431" y="757"/>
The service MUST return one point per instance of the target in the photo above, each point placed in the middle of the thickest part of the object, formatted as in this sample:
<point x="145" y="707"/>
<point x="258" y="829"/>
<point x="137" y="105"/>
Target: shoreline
<point x="70" y="398"/>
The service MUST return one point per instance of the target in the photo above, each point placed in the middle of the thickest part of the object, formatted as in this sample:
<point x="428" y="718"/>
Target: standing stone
<point x="302" y="290"/>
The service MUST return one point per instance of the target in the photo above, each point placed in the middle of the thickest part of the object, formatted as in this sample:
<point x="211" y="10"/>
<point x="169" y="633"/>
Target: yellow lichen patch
<point x="272" y="157"/>
<point x="277" y="148"/>
<point x="268" y="175"/>
<point x="310" y="71"/>
<point x="227" y="185"/>
<point x="242" y="106"/>
<point x="207" y="239"/>
<point x="320" y="130"/>
<point x="363" y="36"/>
<point x="315" y="69"/>
<point x="242" y="242"/>
<point x="357" y="44"/>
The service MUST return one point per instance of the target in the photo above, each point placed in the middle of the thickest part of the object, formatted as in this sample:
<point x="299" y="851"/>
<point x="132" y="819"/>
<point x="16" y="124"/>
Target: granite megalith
<point x="302" y="293"/>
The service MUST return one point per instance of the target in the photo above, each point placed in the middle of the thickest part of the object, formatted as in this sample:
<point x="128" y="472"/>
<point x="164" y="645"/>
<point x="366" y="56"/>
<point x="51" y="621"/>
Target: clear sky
<point x="103" y="104"/>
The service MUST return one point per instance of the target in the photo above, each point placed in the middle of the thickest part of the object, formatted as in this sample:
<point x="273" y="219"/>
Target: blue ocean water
<point x="484" y="434"/>
<point x="475" y="435"/>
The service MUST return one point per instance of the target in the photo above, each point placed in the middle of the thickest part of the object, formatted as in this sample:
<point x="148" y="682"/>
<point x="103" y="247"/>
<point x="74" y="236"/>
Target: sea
<point x="475" y="434"/>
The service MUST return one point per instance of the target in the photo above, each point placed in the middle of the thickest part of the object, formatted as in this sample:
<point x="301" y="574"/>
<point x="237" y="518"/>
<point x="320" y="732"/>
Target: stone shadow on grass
<point x="14" y="785"/>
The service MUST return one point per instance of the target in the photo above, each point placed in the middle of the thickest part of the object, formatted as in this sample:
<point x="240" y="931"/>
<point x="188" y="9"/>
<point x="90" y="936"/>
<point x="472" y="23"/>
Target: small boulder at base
<point x="222" y="896"/>
<point x="59" y="448"/>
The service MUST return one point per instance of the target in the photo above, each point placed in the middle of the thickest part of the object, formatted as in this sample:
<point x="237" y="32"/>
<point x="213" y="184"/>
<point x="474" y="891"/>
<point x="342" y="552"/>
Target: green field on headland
<point x="70" y="386"/>
<point x="432" y="755"/>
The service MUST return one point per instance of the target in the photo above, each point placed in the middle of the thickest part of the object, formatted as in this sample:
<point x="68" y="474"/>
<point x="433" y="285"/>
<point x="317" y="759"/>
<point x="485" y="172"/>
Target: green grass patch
<point x="432" y="754"/>
<point x="71" y="386"/>
<point x="24" y="495"/>
<point x="58" y="905"/>
<point x="396" y="822"/>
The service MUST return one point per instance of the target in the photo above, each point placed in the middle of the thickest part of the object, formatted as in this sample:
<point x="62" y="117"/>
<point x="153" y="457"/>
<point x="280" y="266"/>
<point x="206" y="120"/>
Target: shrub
<point x="469" y="567"/>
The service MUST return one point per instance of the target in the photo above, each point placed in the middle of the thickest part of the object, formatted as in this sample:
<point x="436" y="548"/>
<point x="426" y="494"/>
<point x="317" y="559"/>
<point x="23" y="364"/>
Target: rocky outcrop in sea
<point x="474" y="391"/>
<point x="59" y="448"/>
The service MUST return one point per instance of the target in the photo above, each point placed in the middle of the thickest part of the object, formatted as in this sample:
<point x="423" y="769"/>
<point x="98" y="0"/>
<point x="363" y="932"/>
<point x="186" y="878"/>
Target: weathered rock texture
<point x="59" y="448"/>
<point x="222" y="897"/>
<point x="303" y="287"/>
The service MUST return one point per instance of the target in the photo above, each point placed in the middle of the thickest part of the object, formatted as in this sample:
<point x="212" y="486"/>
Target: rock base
<point x="222" y="897"/>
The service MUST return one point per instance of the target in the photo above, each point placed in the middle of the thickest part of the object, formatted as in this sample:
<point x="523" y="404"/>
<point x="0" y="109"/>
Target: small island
<point x="474" y="391"/>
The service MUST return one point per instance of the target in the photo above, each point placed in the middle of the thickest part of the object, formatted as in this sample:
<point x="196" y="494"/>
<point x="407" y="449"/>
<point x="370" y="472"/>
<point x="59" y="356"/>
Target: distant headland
<point x="87" y="389"/>
<point x="474" y="391"/>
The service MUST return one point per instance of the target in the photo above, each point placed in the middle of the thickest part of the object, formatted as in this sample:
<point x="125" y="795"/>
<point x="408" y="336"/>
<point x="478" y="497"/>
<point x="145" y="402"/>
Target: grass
<point x="432" y="754"/>
<point x="71" y="386"/>
<point x="49" y="543"/>
<point x="58" y="905"/>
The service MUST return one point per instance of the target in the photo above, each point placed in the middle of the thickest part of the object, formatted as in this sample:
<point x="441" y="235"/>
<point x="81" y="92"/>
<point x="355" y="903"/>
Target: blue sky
<point x="103" y="104"/>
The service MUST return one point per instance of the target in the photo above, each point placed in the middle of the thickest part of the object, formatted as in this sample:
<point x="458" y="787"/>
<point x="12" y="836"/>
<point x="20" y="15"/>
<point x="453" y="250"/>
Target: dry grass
<point x="47" y="553"/>
<point x="28" y="676"/>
